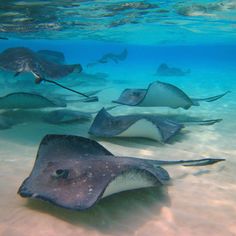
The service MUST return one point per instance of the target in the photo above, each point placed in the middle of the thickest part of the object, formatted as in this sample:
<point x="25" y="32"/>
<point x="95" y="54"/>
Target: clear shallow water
<point x="200" y="201"/>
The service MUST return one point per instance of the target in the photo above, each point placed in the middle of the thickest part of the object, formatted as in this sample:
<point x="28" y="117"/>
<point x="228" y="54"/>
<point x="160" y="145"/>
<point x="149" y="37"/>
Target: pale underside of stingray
<point x="160" y="94"/>
<point x="75" y="172"/>
<point x="22" y="100"/>
<point x="145" y="126"/>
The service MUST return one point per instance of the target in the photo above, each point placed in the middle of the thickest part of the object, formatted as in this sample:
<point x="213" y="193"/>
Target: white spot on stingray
<point x="35" y="195"/>
<point x="90" y="175"/>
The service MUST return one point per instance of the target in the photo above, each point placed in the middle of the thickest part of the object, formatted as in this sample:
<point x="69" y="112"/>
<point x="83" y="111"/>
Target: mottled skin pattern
<point x="106" y="125"/>
<point x="73" y="172"/>
<point x="25" y="60"/>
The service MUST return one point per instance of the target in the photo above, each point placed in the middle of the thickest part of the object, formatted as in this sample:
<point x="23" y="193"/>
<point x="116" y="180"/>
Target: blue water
<point x="201" y="201"/>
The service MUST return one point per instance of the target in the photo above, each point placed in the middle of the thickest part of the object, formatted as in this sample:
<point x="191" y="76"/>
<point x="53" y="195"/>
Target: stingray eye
<point x="61" y="173"/>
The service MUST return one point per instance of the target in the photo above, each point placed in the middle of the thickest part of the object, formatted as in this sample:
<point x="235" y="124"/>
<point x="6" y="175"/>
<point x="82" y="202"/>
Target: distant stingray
<point x="146" y="126"/>
<point x="24" y="100"/>
<point x="160" y="94"/>
<point x="110" y="57"/>
<point x="75" y="172"/>
<point x="66" y="116"/>
<point x="165" y="70"/>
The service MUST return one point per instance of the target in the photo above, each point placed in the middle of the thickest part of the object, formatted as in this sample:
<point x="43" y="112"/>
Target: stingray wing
<point x="161" y="94"/>
<point x="131" y="97"/>
<point x="53" y="56"/>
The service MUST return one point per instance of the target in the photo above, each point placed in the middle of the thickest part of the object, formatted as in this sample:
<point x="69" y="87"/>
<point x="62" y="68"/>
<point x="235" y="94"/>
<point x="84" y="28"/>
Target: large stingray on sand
<point x="160" y="94"/>
<point x="139" y="125"/>
<point x="75" y="172"/>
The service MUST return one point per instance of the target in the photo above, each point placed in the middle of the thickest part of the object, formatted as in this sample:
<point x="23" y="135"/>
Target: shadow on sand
<point x="123" y="212"/>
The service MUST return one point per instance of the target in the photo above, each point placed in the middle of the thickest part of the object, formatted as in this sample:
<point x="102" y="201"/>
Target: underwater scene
<point x="118" y="117"/>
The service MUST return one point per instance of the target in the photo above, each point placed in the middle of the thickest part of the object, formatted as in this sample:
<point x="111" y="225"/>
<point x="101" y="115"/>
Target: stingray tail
<point x="209" y="99"/>
<point x="200" y="162"/>
<point x="88" y="98"/>
<point x="201" y="122"/>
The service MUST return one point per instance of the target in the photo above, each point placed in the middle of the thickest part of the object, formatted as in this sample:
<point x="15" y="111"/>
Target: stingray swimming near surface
<point x="110" y="57"/>
<point x="22" y="59"/>
<point x="43" y="64"/>
<point x="139" y="125"/>
<point x="75" y="172"/>
<point x="23" y="100"/>
<point x="160" y="94"/>
<point x="165" y="70"/>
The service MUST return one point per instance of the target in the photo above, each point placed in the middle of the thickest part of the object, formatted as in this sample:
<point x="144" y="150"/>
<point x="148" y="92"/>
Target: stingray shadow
<point x="124" y="212"/>
<point x="132" y="142"/>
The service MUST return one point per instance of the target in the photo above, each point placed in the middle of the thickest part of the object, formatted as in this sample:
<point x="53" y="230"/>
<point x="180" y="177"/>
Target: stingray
<point x="160" y="94"/>
<point x="22" y="59"/>
<point x="66" y="116"/>
<point x="43" y="65"/>
<point x="146" y="126"/>
<point x="75" y="172"/>
<point x="139" y="125"/>
<point x="22" y="100"/>
<point x="110" y="57"/>
<point x="165" y="70"/>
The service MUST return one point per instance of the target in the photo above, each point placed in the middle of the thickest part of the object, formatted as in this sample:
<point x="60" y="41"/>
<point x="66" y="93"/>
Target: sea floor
<point x="200" y="200"/>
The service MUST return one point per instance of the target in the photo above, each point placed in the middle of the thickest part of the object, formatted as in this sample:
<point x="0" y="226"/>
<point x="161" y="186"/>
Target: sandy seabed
<point x="199" y="201"/>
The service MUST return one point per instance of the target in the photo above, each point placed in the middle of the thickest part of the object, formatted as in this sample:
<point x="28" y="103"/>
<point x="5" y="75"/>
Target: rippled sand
<point x="200" y="200"/>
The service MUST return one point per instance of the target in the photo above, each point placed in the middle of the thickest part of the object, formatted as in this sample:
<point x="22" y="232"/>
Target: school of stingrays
<point x="75" y="172"/>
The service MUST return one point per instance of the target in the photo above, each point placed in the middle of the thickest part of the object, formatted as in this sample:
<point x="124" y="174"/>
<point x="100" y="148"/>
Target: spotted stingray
<point x="21" y="59"/>
<point x="75" y="172"/>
